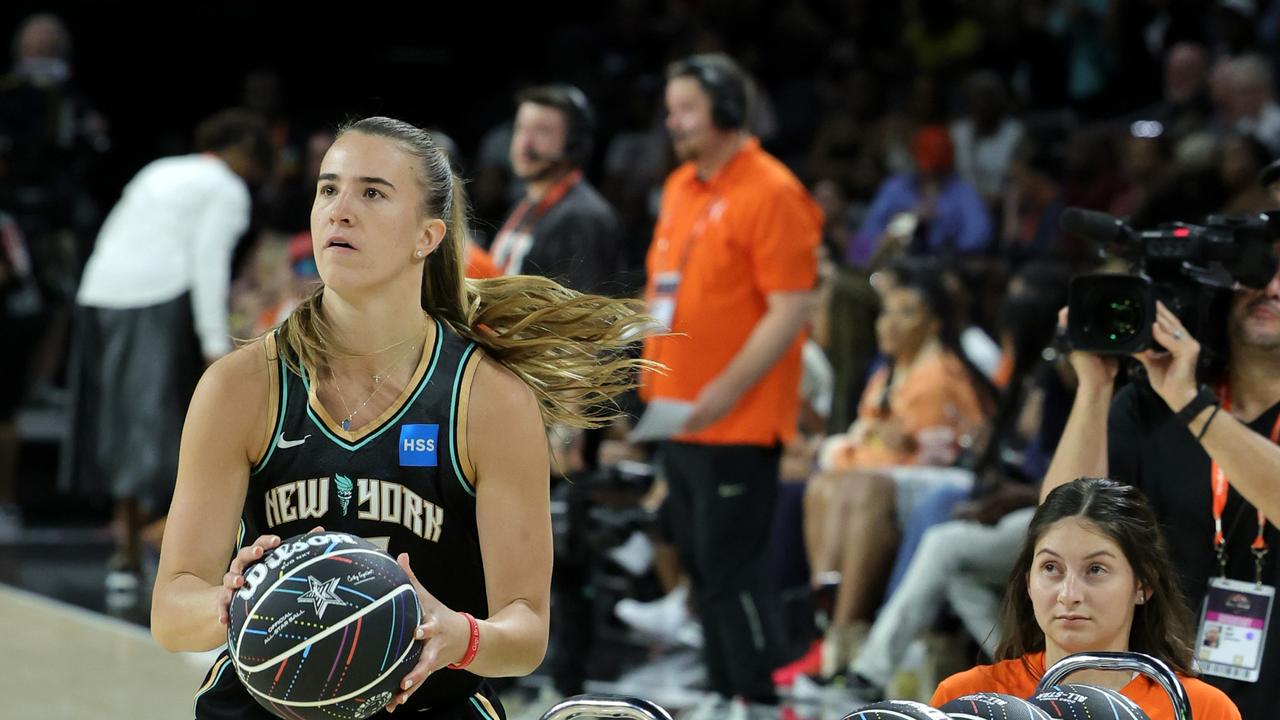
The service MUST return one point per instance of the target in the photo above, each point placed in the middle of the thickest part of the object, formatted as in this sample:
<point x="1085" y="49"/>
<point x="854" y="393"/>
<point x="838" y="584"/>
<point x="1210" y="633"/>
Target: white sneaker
<point x="690" y="634"/>
<point x="805" y="689"/>
<point x="711" y="707"/>
<point x="661" y="619"/>
<point x="122" y="581"/>
<point x="740" y="709"/>
<point x="122" y="590"/>
<point x="635" y="555"/>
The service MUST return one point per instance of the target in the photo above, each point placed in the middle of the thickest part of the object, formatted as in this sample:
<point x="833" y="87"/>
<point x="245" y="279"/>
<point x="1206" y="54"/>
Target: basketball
<point x="896" y="710"/>
<point x="1086" y="701"/>
<point x="993" y="706"/>
<point x="323" y="628"/>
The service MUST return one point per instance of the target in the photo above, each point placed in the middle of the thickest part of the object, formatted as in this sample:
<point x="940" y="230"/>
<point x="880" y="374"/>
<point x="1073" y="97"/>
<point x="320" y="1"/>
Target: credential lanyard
<point x="1219" y="482"/>
<point x="519" y="217"/>
<point x="695" y="232"/>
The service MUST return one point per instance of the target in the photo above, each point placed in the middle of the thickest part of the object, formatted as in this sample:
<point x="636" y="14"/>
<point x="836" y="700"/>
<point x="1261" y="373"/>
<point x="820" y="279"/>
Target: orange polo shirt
<point x="1013" y="677"/>
<point x="750" y="230"/>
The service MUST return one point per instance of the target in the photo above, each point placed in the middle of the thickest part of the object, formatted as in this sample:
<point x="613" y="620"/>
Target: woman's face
<point x="1082" y="588"/>
<point x="905" y="322"/>
<point x="367" y="221"/>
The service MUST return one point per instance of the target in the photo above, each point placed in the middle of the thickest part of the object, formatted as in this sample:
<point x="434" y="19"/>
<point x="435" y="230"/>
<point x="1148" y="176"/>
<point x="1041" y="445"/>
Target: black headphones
<point x="582" y="125"/>
<point x="578" y="111"/>
<point x="723" y="82"/>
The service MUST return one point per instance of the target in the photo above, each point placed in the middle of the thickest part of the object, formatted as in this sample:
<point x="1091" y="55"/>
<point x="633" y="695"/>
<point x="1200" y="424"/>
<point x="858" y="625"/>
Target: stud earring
<point x="419" y="253"/>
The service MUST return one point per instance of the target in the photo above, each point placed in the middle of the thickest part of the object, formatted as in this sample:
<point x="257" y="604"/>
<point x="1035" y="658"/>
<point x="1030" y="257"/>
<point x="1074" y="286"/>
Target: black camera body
<point x="1192" y="269"/>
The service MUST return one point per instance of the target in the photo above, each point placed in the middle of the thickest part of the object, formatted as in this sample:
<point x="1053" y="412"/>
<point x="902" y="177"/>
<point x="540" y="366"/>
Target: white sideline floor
<point x="62" y="662"/>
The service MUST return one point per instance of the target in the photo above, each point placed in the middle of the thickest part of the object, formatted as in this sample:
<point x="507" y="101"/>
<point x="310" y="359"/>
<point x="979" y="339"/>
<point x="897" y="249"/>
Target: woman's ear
<point x="433" y="233"/>
<point x="1144" y="594"/>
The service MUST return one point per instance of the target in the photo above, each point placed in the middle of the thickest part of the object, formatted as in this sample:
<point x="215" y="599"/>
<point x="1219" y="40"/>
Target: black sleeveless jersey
<point x="397" y="481"/>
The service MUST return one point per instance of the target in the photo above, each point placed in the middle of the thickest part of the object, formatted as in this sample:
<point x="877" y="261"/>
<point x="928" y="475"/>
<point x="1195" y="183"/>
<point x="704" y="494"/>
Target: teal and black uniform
<point x="397" y="481"/>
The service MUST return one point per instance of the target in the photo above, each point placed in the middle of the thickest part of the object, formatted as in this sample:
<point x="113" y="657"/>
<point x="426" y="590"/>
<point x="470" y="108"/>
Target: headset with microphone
<point x="724" y="83"/>
<point x="579" y="115"/>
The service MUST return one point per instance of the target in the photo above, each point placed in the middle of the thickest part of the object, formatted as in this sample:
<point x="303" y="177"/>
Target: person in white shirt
<point x="986" y="137"/>
<point x="151" y="314"/>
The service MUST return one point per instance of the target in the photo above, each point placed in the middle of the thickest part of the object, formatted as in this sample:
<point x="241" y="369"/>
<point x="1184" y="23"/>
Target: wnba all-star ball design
<point x="323" y="628"/>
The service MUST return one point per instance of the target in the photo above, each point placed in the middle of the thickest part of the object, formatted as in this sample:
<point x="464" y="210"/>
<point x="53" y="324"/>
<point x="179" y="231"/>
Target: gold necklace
<point x="377" y="385"/>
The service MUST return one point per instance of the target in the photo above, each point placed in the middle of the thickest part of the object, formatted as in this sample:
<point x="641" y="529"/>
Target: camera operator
<point x="1206" y="456"/>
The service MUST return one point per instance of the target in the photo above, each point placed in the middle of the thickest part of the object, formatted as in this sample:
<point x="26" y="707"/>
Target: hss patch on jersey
<point x="418" y="445"/>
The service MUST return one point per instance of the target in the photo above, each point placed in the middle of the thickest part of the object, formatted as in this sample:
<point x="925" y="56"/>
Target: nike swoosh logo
<point x="282" y="443"/>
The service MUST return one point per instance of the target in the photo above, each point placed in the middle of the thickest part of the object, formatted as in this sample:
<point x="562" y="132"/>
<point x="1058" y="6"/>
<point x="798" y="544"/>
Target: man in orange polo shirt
<point x="732" y="270"/>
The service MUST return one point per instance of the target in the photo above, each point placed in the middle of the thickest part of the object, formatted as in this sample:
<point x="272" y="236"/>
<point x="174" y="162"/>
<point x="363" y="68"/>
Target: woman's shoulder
<point x="947" y="362"/>
<point x="243" y="374"/>
<point x="1207" y="701"/>
<point x="233" y="403"/>
<point x="506" y="432"/>
<point x="497" y="390"/>
<point x="941" y="369"/>
<point x="1011" y="677"/>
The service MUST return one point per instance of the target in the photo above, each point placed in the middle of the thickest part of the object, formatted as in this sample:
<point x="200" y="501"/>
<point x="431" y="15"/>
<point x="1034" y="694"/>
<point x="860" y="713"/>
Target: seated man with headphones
<point x="562" y="228"/>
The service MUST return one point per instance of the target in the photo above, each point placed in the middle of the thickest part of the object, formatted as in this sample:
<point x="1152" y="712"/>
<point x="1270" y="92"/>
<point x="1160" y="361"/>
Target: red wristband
<point x="473" y="647"/>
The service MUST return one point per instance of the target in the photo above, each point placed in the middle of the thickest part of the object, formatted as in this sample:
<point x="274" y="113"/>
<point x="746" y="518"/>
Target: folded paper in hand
<point x="662" y="420"/>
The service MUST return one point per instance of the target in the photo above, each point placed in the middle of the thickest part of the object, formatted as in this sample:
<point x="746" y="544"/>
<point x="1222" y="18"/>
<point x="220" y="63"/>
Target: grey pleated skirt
<point x="132" y="375"/>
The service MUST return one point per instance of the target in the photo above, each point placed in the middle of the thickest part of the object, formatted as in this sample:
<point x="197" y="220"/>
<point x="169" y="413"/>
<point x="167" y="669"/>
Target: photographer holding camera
<point x="1201" y="444"/>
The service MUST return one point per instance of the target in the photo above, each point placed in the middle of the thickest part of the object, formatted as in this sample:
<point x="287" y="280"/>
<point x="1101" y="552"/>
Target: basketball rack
<point x="605" y="706"/>
<point x="1155" y="669"/>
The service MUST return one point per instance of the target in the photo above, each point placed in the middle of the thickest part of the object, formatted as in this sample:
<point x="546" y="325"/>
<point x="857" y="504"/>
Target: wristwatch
<point x="1203" y="399"/>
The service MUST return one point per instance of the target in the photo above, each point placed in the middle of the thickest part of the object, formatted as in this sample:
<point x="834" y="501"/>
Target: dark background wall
<point x="155" y="70"/>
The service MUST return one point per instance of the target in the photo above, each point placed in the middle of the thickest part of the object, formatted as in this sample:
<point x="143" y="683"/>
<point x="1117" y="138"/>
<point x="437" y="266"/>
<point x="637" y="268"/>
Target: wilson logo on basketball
<point x="256" y="574"/>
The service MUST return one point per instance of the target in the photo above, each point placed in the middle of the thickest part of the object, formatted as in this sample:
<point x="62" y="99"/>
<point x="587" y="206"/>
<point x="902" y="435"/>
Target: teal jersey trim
<point x="213" y="682"/>
<point x="453" y="419"/>
<point x="282" y="377"/>
<point x="480" y="709"/>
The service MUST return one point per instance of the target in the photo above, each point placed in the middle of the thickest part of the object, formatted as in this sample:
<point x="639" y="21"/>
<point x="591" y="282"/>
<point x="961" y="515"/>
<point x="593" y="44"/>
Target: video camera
<point x="1192" y="269"/>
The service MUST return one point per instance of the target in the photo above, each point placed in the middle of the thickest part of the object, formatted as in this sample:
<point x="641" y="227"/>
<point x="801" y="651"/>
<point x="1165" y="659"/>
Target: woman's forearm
<point x="184" y="615"/>
<point x="513" y="642"/>
<point x="1082" y="451"/>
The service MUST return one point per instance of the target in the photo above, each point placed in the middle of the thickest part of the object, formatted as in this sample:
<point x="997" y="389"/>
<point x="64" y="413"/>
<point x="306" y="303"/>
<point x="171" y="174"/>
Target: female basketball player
<point x="403" y="404"/>
<point x="1094" y="574"/>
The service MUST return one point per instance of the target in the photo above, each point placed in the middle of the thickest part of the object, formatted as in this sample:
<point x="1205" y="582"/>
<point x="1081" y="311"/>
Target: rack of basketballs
<point x="1050" y="700"/>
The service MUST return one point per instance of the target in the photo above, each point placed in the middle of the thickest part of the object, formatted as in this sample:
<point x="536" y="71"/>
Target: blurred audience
<point x="949" y="152"/>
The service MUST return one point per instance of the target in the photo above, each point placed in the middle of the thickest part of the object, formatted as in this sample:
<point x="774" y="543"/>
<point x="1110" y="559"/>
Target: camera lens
<point x="1123" y="316"/>
<point x="1111" y="314"/>
<point x="1115" y="318"/>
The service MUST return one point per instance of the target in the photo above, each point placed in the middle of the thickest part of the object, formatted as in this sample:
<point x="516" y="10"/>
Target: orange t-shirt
<point x="749" y="231"/>
<point x="938" y="393"/>
<point x="1014" y="677"/>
